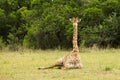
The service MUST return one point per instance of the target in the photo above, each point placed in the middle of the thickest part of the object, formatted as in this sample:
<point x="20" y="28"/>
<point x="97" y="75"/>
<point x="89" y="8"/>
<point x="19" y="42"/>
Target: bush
<point x="93" y="16"/>
<point x="2" y="44"/>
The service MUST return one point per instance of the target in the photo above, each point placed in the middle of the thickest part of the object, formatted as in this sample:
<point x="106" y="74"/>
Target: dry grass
<point x="22" y="65"/>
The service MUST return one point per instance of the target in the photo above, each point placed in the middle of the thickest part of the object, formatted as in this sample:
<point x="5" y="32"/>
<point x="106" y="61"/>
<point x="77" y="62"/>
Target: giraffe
<point x="71" y="60"/>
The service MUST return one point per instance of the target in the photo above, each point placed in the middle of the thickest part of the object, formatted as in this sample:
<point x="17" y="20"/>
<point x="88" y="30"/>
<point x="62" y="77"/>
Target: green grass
<point x="22" y="65"/>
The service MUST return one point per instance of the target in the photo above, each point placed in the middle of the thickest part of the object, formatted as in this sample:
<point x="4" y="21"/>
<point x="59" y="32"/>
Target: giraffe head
<point x="75" y="21"/>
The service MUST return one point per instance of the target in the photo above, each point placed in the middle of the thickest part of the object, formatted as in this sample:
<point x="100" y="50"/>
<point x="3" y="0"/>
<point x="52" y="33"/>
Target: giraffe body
<point x="72" y="61"/>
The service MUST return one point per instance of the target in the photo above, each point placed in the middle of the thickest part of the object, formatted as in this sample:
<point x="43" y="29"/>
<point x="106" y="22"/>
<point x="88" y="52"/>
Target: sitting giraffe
<point x="71" y="60"/>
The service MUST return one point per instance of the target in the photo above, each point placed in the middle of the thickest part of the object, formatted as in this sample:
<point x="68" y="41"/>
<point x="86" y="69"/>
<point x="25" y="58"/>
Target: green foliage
<point x="2" y="14"/>
<point x="93" y="16"/>
<point x="110" y="6"/>
<point x="45" y="23"/>
<point x="110" y="31"/>
<point x="13" y="42"/>
<point x="107" y="68"/>
<point x="2" y="44"/>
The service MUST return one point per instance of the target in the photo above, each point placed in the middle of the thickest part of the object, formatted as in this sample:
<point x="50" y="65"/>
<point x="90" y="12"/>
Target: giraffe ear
<point x="70" y="19"/>
<point x="79" y="20"/>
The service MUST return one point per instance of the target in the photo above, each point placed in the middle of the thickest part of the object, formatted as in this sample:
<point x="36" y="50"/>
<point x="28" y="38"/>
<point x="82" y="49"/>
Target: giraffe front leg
<point x="80" y="65"/>
<point x="69" y="66"/>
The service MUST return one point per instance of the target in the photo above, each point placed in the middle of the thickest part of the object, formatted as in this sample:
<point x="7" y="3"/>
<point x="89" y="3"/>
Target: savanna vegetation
<point x="44" y="24"/>
<point x="23" y="65"/>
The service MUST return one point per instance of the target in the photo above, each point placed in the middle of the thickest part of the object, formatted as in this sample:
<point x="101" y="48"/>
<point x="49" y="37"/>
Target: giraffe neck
<point x="75" y="37"/>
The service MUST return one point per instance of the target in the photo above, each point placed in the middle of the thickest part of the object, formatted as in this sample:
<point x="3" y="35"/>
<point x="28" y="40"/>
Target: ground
<point x="22" y="65"/>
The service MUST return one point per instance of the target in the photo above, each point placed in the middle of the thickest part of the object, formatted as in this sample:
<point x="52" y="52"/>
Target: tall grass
<point x="22" y="65"/>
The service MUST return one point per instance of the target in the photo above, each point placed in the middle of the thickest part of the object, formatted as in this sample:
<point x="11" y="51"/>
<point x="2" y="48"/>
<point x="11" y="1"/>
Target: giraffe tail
<point x="52" y="66"/>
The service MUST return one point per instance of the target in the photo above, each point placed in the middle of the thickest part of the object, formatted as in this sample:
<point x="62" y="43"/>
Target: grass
<point x="22" y="65"/>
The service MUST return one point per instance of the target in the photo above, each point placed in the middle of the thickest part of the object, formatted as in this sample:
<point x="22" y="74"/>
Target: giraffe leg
<point x="79" y="65"/>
